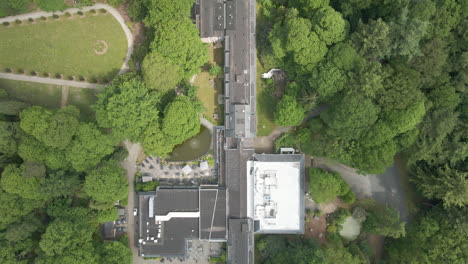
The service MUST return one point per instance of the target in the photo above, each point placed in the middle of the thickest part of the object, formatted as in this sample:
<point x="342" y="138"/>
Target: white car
<point x="135" y="211"/>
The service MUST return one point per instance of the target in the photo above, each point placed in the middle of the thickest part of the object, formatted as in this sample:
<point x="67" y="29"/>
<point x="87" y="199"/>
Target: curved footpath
<point x="114" y="12"/>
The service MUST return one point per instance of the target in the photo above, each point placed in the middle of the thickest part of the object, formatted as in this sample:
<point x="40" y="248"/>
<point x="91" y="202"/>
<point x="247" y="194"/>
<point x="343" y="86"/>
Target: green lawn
<point x="67" y="46"/>
<point x="50" y="96"/>
<point x="266" y="104"/>
<point x="207" y="93"/>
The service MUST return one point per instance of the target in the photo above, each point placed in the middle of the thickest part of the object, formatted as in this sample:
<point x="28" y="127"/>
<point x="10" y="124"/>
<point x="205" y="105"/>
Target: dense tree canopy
<point x="326" y="186"/>
<point x="289" y="112"/>
<point x="107" y="183"/>
<point x="159" y="73"/>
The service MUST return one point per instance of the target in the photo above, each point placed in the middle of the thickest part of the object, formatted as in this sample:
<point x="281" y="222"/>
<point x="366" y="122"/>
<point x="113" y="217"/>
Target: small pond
<point x="351" y="228"/>
<point x="192" y="148"/>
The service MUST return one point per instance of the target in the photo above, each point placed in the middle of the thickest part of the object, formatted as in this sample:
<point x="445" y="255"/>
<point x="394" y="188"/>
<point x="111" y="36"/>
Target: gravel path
<point x="114" y="12"/>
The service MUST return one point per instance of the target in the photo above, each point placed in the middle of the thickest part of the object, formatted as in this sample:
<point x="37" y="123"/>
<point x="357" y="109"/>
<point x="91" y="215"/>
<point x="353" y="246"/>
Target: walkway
<point x="266" y="144"/>
<point x="21" y="77"/>
<point x="206" y="123"/>
<point x="114" y="12"/>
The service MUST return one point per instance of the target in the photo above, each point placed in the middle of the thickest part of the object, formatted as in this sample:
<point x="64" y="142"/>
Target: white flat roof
<point x="273" y="196"/>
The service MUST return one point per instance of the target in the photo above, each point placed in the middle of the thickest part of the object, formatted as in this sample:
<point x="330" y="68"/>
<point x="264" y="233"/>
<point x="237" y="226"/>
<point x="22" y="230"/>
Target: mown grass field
<point x="66" y="46"/>
<point x="50" y="96"/>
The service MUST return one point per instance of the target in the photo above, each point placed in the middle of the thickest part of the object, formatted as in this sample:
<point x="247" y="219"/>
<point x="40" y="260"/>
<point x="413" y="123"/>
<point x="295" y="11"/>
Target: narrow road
<point x="129" y="165"/>
<point x="114" y="12"/>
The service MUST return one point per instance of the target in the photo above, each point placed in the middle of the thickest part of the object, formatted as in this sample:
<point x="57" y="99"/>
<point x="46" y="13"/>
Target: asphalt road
<point x="385" y="188"/>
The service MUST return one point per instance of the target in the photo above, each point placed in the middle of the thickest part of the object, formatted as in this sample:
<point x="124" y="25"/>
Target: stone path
<point x="114" y="12"/>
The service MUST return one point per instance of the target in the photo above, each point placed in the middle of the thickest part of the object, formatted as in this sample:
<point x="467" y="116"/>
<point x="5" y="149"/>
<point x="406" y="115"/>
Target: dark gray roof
<point x="175" y="233"/>
<point x="213" y="214"/>
<point x="241" y="242"/>
<point x="175" y="200"/>
<point x="211" y="18"/>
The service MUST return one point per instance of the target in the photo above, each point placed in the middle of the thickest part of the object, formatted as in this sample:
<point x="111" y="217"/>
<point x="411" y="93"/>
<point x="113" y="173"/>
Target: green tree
<point x="326" y="186"/>
<point x="351" y="117"/>
<point x="180" y="121"/>
<point x="327" y="80"/>
<point x="329" y="25"/>
<point x="372" y="40"/>
<point x="13" y="207"/>
<point x="9" y="135"/>
<point x="107" y="183"/>
<point x="215" y="70"/>
<point x="127" y="107"/>
<point x="54" y="129"/>
<point x="64" y="236"/>
<point x="116" y="253"/>
<point x="179" y="42"/>
<point x="384" y="221"/>
<point x="24" y="229"/>
<point x="438" y="236"/>
<point x="159" y="73"/>
<point x="12" y="107"/>
<point x="289" y="112"/>
<point x="61" y="184"/>
<point x="163" y="11"/>
<point x="15" y="182"/>
<point x="88" y="147"/>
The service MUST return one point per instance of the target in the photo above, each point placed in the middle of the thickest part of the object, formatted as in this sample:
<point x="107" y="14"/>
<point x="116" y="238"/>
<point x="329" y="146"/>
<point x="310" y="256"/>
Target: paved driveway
<point x="385" y="188"/>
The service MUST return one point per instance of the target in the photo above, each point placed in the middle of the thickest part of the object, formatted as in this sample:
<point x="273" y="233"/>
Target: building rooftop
<point x="275" y="186"/>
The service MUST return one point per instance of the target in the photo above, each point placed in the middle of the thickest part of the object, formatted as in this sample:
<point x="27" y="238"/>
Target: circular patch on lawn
<point x="101" y="47"/>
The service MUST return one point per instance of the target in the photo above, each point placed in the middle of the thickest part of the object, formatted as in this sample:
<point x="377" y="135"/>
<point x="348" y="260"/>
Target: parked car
<point x="135" y="211"/>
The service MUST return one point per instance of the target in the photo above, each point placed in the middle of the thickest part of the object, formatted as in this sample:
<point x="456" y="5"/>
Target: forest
<point x="61" y="175"/>
<point x="386" y="79"/>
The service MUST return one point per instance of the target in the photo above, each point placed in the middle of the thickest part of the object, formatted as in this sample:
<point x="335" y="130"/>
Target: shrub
<point x="81" y="78"/>
<point x="17" y="21"/>
<point x="58" y="76"/>
<point x="71" y="78"/>
<point x="215" y="70"/>
<point x="30" y="20"/>
<point x="6" y="24"/>
<point x="67" y="14"/>
<point x="115" y="3"/>
<point x="79" y="13"/>
<point x="93" y="80"/>
<point x="33" y="73"/>
<point x="43" y="18"/>
<point x="349" y="197"/>
<point x="54" y="16"/>
<point x="20" y="71"/>
<point x="326" y="186"/>
<point x="45" y="74"/>
<point x="146" y="186"/>
<point x="8" y="70"/>
<point x="102" y="10"/>
<point x="92" y="11"/>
